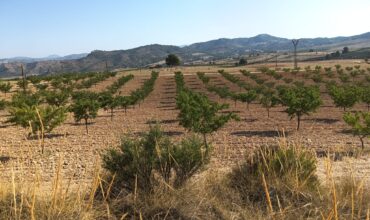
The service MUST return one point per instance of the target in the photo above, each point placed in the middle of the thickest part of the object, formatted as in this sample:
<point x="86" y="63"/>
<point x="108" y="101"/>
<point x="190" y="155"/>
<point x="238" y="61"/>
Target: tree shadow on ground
<point x="5" y="159"/>
<point x="171" y="92"/>
<point x="258" y="133"/>
<point x="248" y="120"/>
<point x="168" y="133"/>
<point x="167" y="106"/>
<point x="169" y="121"/>
<point x="167" y="102"/>
<point x="48" y="136"/>
<point x="345" y="131"/>
<point x="230" y="111"/>
<point x="80" y="123"/>
<point x="5" y="125"/>
<point x="322" y="120"/>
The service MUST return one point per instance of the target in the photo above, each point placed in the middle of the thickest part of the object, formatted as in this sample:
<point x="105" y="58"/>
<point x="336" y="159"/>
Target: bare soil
<point x="79" y="153"/>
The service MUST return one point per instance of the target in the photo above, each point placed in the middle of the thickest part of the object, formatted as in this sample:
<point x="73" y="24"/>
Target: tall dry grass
<point x="211" y="194"/>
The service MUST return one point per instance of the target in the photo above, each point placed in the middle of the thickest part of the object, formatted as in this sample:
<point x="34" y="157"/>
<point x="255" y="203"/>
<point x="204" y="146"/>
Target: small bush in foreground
<point x="138" y="162"/>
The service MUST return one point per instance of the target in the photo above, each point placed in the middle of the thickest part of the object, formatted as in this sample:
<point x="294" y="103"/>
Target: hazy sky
<point x="38" y="28"/>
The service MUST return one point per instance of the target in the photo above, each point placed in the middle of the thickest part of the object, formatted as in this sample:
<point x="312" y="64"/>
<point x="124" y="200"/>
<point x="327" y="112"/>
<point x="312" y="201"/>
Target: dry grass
<point x="209" y="195"/>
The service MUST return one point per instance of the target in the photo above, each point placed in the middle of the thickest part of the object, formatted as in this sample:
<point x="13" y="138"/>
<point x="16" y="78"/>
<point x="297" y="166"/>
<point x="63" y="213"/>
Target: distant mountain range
<point x="48" y="58"/>
<point x="155" y="54"/>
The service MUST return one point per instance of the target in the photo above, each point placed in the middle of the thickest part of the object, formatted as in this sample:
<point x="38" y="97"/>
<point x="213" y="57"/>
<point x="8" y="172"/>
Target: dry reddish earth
<point x="79" y="153"/>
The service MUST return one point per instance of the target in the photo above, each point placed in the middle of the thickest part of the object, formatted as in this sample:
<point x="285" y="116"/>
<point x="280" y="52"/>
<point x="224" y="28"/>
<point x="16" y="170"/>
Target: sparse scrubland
<point x="197" y="143"/>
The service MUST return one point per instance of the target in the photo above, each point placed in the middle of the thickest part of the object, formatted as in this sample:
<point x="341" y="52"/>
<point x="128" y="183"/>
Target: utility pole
<point x="276" y="60"/>
<point x="295" y="44"/>
<point x="23" y="79"/>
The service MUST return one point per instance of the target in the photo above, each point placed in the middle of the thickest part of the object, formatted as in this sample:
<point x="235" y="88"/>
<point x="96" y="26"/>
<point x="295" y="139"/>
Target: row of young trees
<point x="344" y="96"/>
<point x="44" y="110"/>
<point x="298" y="100"/>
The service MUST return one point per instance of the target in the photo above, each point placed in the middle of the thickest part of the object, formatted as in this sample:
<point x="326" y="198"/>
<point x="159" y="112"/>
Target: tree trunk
<point x="111" y="114"/>
<point x="205" y="141"/>
<point x="362" y="143"/>
<point x="268" y="112"/>
<point x="87" y="130"/>
<point x="299" y="121"/>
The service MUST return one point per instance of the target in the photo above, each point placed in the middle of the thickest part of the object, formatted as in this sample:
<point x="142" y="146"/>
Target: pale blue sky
<point x="38" y="28"/>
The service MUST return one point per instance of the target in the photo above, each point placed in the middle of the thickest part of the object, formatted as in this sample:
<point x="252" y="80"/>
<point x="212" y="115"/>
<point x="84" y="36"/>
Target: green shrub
<point x="85" y="109"/>
<point x="344" y="78"/>
<point x="3" y="104"/>
<point x="268" y="100"/>
<point x="365" y="96"/>
<point x="360" y="124"/>
<point x="289" y="173"/>
<point x="300" y="101"/>
<point x="56" y="98"/>
<point x="200" y="115"/>
<point x="345" y="96"/>
<point x="247" y="97"/>
<point x="37" y="118"/>
<point x="20" y="99"/>
<point x="5" y="87"/>
<point x="139" y="161"/>
<point x="189" y="156"/>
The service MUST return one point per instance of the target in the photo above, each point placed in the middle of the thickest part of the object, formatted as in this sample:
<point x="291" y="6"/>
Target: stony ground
<point x="78" y="153"/>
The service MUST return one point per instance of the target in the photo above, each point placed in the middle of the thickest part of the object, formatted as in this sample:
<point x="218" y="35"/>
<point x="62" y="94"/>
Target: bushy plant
<point x="5" y="87"/>
<point x="85" y="109"/>
<point x="20" y="99"/>
<point x="136" y="161"/>
<point x="268" y="100"/>
<point x="57" y="98"/>
<point x="3" y="104"/>
<point x="344" y="96"/>
<point x="41" y="87"/>
<point x="40" y="119"/>
<point x="22" y="84"/>
<point x="109" y="102"/>
<point x="360" y="124"/>
<point x="300" y="101"/>
<point x="200" y="115"/>
<point x="365" y="96"/>
<point x="286" y="173"/>
<point x="247" y="97"/>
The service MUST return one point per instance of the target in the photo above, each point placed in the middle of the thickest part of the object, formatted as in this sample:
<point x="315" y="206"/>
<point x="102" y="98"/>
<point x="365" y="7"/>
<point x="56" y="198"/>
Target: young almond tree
<point x="300" y="101"/>
<point x="3" y="104"/>
<point x="5" y="87"/>
<point x="109" y="102"/>
<point x="269" y="100"/>
<point x="124" y="102"/>
<point x="200" y="115"/>
<point x="344" y="96"/>
<point x="365" y="96"/>
<point x="85" y="109"/>
<point x="360" y="123"/>
<point x="248" y="97"/>
<point x="39" y="119"/>
<point x="56" y="98"/>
